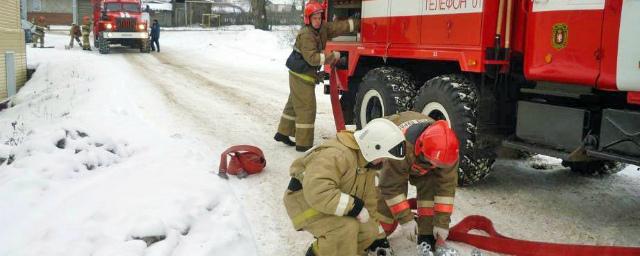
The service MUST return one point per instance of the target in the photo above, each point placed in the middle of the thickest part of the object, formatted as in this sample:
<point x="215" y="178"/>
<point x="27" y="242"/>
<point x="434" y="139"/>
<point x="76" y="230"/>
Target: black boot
<point x="284" y="139"/>
<point x="310" y="251"/>
<point x="302" y="148"/>
<point x="429" y="239"/>
<point x="380" y="247"/>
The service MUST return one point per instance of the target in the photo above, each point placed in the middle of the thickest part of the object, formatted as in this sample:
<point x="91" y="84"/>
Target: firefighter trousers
<point x="38" y="37"/>
<point x="425" y="190"/>
<point x="299" y="113"/>
<point x="338" y="236"/>
<point x="77" y="39"/>
<point x="85" y="42"/>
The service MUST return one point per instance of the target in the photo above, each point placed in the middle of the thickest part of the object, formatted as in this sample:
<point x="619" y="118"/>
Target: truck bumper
<point x="125" y="35"/>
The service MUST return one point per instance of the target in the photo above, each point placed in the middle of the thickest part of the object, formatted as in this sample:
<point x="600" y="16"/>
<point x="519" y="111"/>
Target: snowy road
<point x="555" y="204"/>
<point x="221" y="88"/>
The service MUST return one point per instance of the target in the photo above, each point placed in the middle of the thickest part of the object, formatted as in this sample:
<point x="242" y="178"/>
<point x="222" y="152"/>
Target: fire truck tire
<point x="455" y="98"/>
<point x="103" y="45"/>
<point x="595" y="168"/>
<point x="383" y="91"/>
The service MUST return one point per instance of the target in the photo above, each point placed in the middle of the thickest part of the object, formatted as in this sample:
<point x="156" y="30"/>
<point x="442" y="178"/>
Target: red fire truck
<point x="556" y="77"/>
<point x="119" y="22"/>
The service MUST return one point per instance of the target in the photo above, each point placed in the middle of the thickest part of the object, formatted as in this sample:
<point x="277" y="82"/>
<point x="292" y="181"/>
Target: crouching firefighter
<point x="431" y="165"/>
<point x="308" y="55"/>
<point x="332" y="193"/>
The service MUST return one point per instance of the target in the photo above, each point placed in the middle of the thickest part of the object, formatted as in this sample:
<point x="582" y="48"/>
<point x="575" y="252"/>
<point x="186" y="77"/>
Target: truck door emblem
<point x="560" y="36"/>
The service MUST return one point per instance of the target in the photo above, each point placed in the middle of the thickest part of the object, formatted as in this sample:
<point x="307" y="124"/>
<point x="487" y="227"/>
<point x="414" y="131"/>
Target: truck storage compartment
<point x="344" y="9"/>
<point x="620" y="132"/>
<point x="552" y="126"/>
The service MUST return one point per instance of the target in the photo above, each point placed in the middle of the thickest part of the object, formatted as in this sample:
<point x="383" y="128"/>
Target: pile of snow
<point x="84" y="170"/>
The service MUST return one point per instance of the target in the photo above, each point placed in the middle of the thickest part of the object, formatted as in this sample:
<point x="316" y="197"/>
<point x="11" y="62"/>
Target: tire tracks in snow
<point x="198" y="97"/>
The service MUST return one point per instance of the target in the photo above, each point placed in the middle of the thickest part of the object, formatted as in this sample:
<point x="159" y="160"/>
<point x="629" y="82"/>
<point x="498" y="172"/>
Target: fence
<point x="200" y="13"/>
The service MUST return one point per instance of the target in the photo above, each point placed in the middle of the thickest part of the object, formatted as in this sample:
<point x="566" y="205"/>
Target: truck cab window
<point x="112" y="7"/>
<point x="130" y="7"/>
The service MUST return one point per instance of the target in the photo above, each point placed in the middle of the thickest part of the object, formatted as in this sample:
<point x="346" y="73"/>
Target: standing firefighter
<point x="332" y="191"/>
<point x="432" y="166"/>
<point x="75" y="34"/>
<point x="38" y="31"/>
<point x="86" y="30"/>
<point x="307" y="57"/>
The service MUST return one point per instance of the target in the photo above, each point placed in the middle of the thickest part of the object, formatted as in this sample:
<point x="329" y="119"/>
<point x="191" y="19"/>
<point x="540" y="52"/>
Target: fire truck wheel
<point x="454" y="98"/>
<point x="383" y="91"/>
<point x="595" y="168"/>
<point x="103" y="45"/>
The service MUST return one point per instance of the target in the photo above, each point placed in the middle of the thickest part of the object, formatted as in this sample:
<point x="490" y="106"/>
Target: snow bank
<point x="84" y="172"/>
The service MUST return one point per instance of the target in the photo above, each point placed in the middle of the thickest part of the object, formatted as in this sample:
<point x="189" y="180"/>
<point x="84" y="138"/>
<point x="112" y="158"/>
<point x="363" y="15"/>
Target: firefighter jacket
<point x="331" y="179"/>
<point x="75" y="31"/>
<point x="435" y="189"/>
<point x="310" y="44"/>
<point x="86" y="29"/>
<point x="39" y="27"/>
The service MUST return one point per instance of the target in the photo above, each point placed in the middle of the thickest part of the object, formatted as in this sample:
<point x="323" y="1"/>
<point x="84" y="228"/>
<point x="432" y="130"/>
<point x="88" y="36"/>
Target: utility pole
<point x="74" y="7"/>
<point x="23" y="9"/>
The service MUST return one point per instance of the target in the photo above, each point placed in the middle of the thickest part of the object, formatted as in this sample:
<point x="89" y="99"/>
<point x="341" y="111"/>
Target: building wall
<point x="56" y="12"/>
<point x="12" y="39"/>
<point x="50" y="6"/>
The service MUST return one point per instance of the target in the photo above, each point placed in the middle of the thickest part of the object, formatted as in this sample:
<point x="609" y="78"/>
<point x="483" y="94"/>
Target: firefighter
<point x="86" y="31"/>
<point x="432" y="166"/>
<point x="38" y="33"/>
<point x="332" y="192"/>
<point x="75" y="34"/>
<point x="307" y="57"/>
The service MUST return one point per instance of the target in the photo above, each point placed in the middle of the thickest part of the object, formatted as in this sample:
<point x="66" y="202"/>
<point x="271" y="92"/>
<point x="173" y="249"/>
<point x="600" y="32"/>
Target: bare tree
<point x="259" y="10"/>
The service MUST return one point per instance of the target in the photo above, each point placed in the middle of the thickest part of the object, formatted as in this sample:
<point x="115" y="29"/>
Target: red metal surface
<point x="633" y="98"/>
<point x="405" y="30"/>
<point x="374" y="30"/>
<point x="578" y="62"/>
<point x="453" y="29"/>
<point x="99" y="24"/>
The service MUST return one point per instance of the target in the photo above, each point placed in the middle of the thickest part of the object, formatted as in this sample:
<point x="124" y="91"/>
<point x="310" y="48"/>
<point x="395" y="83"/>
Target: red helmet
<point x="438" y="144"/>
<point x="311" y="8"/>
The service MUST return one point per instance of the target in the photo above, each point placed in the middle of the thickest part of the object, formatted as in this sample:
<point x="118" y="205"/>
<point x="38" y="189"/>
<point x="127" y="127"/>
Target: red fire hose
<point x="496" y="242"/>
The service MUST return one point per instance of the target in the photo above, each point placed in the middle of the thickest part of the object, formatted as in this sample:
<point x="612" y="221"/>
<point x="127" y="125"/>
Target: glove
<point x="440" y="234"/>
<point x="409" y="230"/>
<point x="363" y="216"/>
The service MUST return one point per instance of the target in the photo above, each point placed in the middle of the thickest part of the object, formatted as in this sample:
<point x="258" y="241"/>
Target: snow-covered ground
<point x="110" y="153"/>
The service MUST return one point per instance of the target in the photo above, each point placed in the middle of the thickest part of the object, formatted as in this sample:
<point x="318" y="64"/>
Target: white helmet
<point x="380" y="138"/>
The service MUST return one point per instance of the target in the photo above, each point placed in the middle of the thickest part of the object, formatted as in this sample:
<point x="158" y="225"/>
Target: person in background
<point x="155" y="36"/>
<point x="86" y="30"/>
<point x="75" y="34"/>
<point x="308" y="55"/>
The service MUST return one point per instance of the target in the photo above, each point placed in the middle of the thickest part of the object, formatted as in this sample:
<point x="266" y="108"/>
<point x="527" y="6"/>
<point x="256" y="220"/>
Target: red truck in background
<point x="120" y="22"/>
<point x="555" y="77"/>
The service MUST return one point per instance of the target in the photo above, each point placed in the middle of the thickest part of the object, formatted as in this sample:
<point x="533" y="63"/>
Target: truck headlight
<point x="108" y="26"/>
<point x="141" y="26"/>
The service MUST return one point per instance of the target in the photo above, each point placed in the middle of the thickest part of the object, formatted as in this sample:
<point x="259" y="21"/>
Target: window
<point x="111" y="7"/>
<point x="131" y="7"/>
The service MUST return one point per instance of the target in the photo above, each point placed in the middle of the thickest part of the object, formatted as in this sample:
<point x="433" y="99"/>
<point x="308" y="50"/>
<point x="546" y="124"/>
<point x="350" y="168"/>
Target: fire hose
<point x="496" y="242"/>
